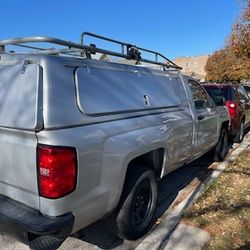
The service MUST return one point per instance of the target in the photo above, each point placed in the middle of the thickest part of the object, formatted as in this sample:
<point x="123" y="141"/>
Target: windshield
<point x="247" y="88"/>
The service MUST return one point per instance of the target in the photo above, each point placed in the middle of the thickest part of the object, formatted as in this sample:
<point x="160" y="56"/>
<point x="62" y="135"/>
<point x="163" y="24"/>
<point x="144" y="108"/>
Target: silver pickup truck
<point x="82" y="138"/>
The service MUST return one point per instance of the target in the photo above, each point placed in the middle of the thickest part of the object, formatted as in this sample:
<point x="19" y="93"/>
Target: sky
<point x="172" y="27"/>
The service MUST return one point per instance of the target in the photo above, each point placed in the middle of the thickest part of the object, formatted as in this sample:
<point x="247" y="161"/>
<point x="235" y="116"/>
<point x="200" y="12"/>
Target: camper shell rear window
<point x="19" y="96"/>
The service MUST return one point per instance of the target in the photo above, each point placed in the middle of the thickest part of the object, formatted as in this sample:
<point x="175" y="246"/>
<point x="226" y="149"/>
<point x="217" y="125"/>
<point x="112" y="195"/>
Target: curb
<point x="158" y="238"/>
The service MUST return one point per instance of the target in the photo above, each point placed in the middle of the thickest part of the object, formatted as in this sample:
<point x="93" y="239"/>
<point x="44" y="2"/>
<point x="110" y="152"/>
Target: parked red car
<point x="238" y="104"/>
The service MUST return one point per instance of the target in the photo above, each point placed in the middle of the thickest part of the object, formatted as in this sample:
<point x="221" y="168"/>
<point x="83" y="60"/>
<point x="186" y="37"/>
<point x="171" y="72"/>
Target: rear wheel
<point x="220" y="150"/>
<point x="135" y="212"/>
<point x="240" y="133"/>
<point x="46" y="242"/>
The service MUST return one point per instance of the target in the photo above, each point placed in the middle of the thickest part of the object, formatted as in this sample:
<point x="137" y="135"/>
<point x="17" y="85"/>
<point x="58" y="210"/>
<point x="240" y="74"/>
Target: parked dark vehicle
<point x="247" y="89"/>
<point x="237" y="103"/>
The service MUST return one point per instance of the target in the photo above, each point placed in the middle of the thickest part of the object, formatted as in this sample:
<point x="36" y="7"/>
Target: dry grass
<point x="224" y="209"/>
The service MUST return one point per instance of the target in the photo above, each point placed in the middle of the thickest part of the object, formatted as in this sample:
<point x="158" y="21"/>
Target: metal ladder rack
<point x="128" y="51"/>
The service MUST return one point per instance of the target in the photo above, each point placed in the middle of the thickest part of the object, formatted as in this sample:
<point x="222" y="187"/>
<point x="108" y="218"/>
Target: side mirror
<point x="219" y="100"/>
<point x="248" y="102"/>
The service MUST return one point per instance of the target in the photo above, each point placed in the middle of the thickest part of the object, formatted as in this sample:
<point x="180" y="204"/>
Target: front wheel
<point x="135" y="213"/>
<point x="220" y="150"/>
<point x="240" y="133"/>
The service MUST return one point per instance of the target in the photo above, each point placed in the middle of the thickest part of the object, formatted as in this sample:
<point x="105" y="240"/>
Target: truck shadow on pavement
<point x="170" y="186"/>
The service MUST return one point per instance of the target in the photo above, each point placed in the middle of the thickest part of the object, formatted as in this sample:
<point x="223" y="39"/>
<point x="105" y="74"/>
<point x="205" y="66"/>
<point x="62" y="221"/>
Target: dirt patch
<point x="224" y="209"/>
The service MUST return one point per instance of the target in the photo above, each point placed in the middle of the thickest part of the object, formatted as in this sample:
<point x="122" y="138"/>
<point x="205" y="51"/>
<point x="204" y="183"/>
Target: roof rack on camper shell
<point x="128" y="51"/>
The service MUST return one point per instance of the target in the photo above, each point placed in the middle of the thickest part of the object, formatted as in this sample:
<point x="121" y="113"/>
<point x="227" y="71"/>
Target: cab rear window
<point x="218" y="92"/>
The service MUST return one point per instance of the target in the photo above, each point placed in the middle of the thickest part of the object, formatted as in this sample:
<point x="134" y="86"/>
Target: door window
<point x="200" y="97"/>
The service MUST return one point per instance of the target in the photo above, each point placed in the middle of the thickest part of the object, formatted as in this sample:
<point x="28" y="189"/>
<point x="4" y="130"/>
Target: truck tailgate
<point x="18" y="176"/>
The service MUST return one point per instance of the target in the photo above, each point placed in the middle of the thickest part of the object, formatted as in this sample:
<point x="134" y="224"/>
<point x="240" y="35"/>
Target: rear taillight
<point x="232" y="107"/>
<point x="57" y="171"/>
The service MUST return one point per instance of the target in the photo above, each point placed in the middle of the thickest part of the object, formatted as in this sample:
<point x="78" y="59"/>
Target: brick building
<point x="193" y="66"/>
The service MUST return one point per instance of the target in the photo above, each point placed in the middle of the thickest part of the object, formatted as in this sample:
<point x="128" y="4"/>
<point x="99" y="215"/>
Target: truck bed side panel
<point x="104" y="151"/>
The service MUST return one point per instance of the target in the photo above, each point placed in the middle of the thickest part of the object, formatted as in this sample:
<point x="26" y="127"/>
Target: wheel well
<point x="152" y="160"/>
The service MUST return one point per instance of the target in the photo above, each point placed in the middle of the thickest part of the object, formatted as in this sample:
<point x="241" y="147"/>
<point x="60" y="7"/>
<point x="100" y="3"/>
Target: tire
<point x="220" y="150"/>
<point x="240" y="133"/>
<point x="46" y="243"/>
<point x="135" y="213"/>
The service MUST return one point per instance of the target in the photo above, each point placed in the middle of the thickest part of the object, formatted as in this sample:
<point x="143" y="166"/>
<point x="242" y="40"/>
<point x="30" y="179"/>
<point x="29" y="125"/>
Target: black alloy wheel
<point x="141" y="204"/>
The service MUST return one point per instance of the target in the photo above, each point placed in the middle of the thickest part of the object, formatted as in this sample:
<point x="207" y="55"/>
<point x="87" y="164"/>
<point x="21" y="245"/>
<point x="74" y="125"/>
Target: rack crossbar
<point x="133" y="52"/>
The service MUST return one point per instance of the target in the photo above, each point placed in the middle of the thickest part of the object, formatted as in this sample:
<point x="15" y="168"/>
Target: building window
<point x="187" y="65"/>
<point x="195" y="64"/>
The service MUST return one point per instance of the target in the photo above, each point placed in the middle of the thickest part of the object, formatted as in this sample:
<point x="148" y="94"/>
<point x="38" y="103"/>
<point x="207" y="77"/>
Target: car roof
<point x="221" y="85"/>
